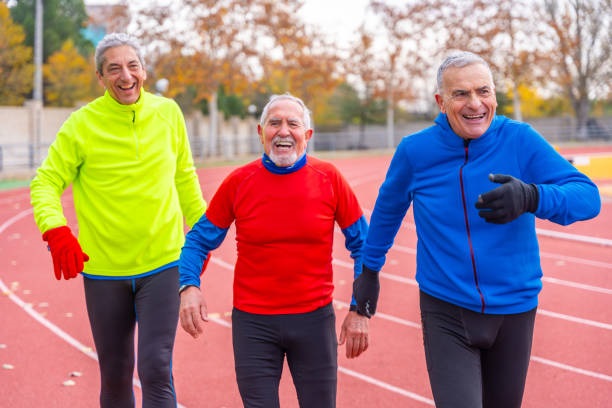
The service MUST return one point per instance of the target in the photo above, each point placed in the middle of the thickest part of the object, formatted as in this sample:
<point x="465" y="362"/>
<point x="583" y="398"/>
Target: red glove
<point x="205" y="263"/>
<point x="68" y="257"/>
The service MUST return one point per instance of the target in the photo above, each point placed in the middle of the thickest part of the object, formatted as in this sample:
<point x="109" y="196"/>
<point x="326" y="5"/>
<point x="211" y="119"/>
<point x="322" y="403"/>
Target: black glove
<point x="366" y="289"/>
<point x="506" y="202"/>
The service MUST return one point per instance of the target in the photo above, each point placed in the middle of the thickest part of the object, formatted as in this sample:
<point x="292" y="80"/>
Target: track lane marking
<point x="26" y="307"/>
<point x="88" y="351"/>
<point x="582" y="261"/>
<point x="363" y="377"/>
<point x="567" y="236"/>
<point x="413" y="282"/>
<point x="416" y="325"/>
<point x="539" y="359"/>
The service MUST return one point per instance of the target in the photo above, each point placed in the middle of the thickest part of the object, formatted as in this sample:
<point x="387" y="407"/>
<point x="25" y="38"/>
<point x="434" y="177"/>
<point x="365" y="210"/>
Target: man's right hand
<point x="68" y="257"/>
<point x="193" y="311"/>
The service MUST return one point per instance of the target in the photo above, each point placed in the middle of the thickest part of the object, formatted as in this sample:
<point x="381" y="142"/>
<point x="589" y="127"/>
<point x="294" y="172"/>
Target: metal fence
<point x="19" y="156"/>
<point x="16" y="158"/>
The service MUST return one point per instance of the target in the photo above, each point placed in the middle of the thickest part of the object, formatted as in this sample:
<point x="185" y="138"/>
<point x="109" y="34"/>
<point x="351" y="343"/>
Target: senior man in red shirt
<point x="285" y="206"/>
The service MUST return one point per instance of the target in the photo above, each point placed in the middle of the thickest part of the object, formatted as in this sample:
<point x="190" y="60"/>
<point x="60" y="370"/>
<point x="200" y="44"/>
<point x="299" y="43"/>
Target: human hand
<point x="366" y="289"/>
<point x="508" y="201"/>
<point x="68" y="257"/>
<point x="193" y="311"/>
<point x="355" y="332"/>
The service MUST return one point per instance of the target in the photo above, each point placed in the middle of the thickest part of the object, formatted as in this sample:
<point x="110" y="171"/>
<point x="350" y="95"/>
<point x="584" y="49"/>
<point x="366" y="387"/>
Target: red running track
<point x="47" y="357"/>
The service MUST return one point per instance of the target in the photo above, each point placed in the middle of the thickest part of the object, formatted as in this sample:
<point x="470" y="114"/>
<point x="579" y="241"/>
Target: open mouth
<point x="129" y="88"/>
<point x="284" y="144"/>
<point x="474" y="117"/>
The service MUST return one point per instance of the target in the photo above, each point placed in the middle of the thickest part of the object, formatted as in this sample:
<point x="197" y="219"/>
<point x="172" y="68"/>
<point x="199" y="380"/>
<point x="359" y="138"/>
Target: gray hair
<point x="286" y="96"/>
<point x="458" y="60"/>
<point x="113" y="40"/>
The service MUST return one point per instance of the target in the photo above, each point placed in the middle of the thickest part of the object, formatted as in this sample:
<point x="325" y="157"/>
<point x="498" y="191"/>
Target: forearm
<point x="576" y="201"/>
<point x="200" y="240"/>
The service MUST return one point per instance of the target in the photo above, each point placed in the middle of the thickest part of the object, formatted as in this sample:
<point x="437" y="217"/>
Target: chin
<point x="284" y="160"/>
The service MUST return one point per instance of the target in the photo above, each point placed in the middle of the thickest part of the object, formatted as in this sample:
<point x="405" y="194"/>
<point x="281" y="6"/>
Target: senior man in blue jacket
<point x="476" y="181"/>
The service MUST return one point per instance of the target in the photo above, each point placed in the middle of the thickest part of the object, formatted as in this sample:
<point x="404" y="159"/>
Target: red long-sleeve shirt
<point x="284" y="233"/>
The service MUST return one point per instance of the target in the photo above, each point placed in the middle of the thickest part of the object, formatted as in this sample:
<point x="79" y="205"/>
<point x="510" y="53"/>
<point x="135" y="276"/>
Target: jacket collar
<point x="270" y="166"/>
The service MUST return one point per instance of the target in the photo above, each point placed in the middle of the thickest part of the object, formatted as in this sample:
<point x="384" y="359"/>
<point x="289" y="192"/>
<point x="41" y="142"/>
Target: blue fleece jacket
<point x="461" y="259"/>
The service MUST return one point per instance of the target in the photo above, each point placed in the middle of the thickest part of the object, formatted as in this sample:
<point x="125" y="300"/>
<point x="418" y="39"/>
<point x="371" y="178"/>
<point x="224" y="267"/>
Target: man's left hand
<point x="355" y="332"/>
<point x="366" y="288"/>
<point x="508" y="201"/>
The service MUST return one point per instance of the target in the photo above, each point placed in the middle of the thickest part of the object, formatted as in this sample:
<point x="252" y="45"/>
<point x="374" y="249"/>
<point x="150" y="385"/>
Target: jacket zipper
<point x="466" y="143"/>
<point x="134" y="133"/>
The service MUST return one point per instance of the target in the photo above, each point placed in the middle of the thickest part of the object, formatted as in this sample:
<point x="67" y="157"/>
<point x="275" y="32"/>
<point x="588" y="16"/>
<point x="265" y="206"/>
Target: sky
<point x="338" y="18"/>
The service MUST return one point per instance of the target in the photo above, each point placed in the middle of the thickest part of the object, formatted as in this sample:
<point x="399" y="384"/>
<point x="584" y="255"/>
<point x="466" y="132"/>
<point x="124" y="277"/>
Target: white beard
<point x="284" y="160"/>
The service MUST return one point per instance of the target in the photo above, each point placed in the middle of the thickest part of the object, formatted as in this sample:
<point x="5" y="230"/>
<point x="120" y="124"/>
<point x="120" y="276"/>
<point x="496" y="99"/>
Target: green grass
<point x="9" y="184"/>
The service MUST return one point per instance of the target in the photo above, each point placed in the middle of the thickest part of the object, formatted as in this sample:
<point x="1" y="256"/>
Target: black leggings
<point x="114" y="308"/>
<point x="309" y="342"/>
<point x="475" y="360"/>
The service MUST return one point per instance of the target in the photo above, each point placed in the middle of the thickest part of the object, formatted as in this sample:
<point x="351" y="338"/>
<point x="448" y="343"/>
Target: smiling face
<point x="468" y="99"/>
<point x="283" y="134"/>
<point x="122" y="74"/>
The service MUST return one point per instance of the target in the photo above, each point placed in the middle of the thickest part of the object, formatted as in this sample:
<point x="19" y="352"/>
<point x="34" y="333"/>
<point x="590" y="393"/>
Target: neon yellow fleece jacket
<point x="134" y="184"/>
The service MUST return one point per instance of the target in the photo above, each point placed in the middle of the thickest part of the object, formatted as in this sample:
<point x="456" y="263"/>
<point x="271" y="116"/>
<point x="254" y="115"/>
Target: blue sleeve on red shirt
<point x="355" y="235"/>
<point x="199" y="241"/>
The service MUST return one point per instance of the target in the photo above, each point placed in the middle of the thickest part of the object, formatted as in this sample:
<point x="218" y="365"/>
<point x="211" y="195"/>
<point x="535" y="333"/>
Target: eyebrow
<point x="480" y="88"/>
<point x="289" y="119"/>
<point x="117" y="64"/>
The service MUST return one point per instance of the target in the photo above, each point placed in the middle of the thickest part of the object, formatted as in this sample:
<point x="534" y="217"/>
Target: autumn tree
<point x="534" y="104"/>
<point x="206" y="51"/>
<point x="108" y="18"/>
<point x="294" y="56"/>
<point x="408" y="35"/>
<point x="364" y="65"/>
<point x="69" y="77"/>
<point x="241" y="47"/>
<point x="16" y="68"/>
<point x="582" y="52"/>
<point x="505" y="34"/>
<point x="62" y="20"/>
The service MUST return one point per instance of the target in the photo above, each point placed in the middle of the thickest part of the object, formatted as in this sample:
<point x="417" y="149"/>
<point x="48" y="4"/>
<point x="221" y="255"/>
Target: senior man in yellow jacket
<point x="128" y="158"/>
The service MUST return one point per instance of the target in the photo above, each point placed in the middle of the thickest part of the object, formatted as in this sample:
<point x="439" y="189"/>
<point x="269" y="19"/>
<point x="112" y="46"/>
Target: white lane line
<point x="565" y="258"/>
<point x="574" y="319"/>
<point x="398" y="320"/>
<point x="386" y="386"/>
<point x="361" y="376"/>
<point x="412" y="282"/>
<point x="605" y="377"/>
<point x="578" y="285"/>
<point x="605" y="242"/>
<point x="574" y="237"/>
<point x="549" y="255"/>
<point x="14" y="219"/>
<point x="416" y="325"/>
<point x="417" y="397"/>
<point x="541" y="360"/>
<point x="579" y="320"/>
<point x="347" y="371"/>
<point x="556" y="281"/>
<point x="26" y="307"/>
<point x="572" y="369"/>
